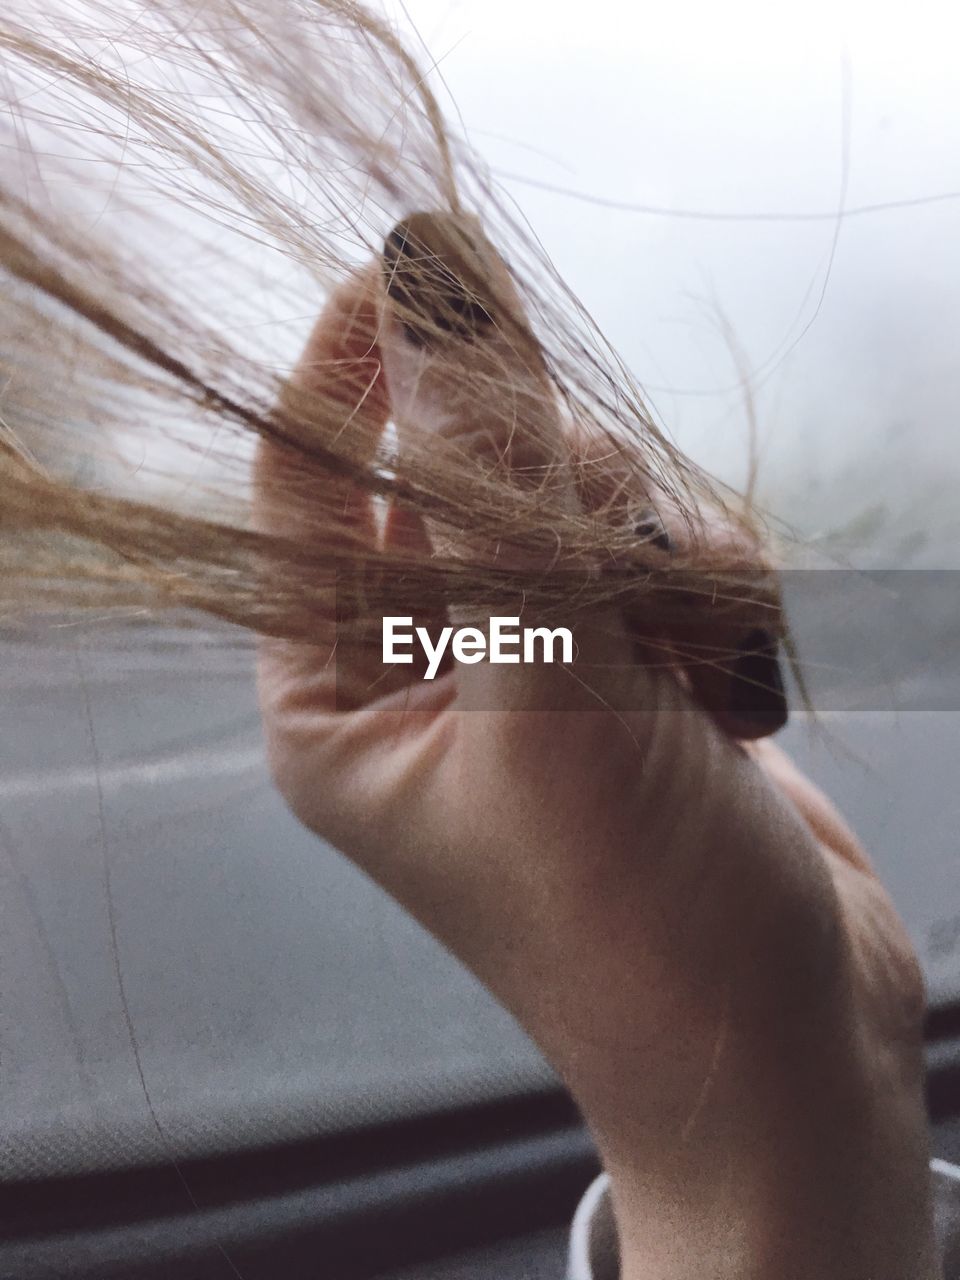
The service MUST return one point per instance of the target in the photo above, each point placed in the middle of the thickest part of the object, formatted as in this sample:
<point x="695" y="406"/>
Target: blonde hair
<point x="182" y="185"/>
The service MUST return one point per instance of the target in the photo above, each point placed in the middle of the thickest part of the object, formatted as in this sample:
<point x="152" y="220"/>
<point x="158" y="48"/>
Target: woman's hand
<point x="682" y="922"/>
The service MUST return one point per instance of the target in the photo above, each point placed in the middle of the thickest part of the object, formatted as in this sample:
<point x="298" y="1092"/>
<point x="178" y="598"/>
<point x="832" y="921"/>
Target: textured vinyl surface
<point x="274" y="992"/>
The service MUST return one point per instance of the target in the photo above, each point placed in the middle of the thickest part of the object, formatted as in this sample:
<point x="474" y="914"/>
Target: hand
<point x="682" y="922"/>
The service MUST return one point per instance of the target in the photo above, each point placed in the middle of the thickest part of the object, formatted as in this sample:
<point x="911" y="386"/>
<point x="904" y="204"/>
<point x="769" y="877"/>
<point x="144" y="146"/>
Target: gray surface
<point x="540" y="1256"/>
<point x="274" y="991"/>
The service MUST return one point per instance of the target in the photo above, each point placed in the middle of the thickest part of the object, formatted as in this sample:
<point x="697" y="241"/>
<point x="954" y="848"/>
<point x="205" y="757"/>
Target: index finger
<point x="336" y="394"/>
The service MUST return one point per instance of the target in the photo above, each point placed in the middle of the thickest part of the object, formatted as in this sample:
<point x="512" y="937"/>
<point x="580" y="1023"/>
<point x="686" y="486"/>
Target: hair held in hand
<point x="182" y="186"/>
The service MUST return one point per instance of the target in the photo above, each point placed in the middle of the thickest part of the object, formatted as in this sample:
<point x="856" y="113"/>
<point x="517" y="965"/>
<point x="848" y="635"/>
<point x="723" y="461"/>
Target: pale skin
<point x="683" y="923"/>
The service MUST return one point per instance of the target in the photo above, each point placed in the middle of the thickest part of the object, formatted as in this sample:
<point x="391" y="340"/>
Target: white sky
<point x="740" y="107"/>
<point x="737" y="107"/>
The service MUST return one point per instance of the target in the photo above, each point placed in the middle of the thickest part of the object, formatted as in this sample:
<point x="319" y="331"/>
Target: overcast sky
<point x="743" y="108"/>
<point x="763" y="119"/>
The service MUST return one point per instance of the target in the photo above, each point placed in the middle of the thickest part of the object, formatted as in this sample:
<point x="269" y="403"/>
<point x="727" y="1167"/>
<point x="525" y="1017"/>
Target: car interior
<point x="224" y="1050"/>
<point x="227" y="1052"/>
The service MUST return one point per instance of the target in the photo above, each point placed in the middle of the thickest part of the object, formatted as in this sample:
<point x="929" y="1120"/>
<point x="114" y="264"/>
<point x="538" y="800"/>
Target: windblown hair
<point x="181" y="187"/>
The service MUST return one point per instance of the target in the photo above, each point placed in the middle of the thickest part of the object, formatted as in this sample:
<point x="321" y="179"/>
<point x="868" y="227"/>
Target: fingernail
<point x="652" y="529"/>
<point x="756" y="692"/>
<point x="435" y="291"/>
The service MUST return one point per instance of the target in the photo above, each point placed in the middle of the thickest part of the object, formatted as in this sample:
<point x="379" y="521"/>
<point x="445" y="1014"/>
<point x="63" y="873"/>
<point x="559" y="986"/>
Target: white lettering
<point x="548" y="638"/>
<point x="391" y="640"/>
<point x="498" y="640"/>
<point x="469" y="645"/>
<point x="434" y="652"/>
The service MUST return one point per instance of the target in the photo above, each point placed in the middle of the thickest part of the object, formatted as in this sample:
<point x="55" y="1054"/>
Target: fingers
<point x="729" y="659"/>
<point x="732" y="658"/>
<point x="466" y="376"/>
<point x="405" y="533"/>
<point x="335" y="392"/>
<point x="459" y="359"/>
<point x="460" y="366"/>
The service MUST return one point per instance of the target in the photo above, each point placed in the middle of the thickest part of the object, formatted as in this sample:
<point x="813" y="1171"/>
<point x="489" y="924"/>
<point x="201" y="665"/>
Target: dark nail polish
<point x="651" y="529"/>
<point x="426" y="281"/>
<point x="756" y="692"/>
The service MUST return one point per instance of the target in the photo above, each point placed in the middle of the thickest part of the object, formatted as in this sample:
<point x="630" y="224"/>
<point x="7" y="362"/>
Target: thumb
<point x="465" y="375"/>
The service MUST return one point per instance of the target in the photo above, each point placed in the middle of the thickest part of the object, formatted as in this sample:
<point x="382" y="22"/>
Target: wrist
<point x="820" y="1198"/>
<point x="799" y="1149"/>
<point x="594" y="1252"/>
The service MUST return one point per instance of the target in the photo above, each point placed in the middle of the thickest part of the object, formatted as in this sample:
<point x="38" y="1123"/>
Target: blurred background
<point x="756" y="198"/>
